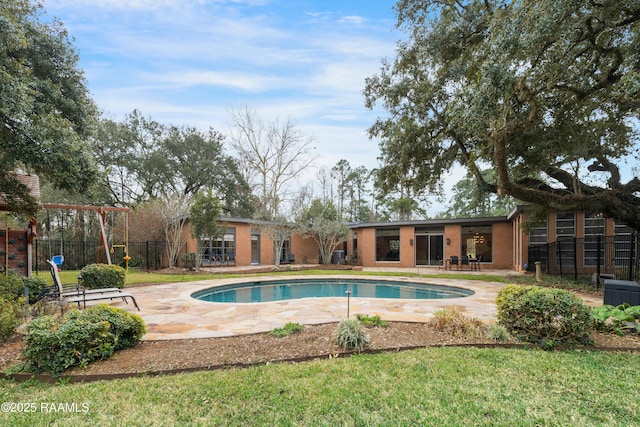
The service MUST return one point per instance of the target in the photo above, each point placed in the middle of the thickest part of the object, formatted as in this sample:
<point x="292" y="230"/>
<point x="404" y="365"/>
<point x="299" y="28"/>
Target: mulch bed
<point x="314" y="342"/>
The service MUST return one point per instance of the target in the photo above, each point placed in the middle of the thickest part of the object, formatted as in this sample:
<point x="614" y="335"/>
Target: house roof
<point x="432" y="222"/>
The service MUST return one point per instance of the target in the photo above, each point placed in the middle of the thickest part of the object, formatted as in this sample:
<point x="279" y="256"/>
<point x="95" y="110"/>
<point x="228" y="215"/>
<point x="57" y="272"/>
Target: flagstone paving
<point x="171" y="313"/>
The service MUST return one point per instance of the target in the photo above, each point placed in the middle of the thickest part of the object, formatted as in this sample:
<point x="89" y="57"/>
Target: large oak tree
<point x="544" y="92"/>
<point x="46" y="113"/>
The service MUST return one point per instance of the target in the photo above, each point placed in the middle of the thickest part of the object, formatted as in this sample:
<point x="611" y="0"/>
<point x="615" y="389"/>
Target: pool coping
<point x="171" y="313"/>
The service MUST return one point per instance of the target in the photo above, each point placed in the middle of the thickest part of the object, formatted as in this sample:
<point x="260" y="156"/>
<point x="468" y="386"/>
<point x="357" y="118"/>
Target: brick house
<point x="497" y="242"/>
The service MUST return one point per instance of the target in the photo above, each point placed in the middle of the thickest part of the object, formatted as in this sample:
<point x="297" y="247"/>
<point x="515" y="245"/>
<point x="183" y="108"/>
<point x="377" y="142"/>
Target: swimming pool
<point x="288" y="289"/>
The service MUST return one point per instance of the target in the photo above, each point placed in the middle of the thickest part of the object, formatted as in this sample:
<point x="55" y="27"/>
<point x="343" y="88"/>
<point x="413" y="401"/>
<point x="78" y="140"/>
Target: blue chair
<point x="58" y="260"/>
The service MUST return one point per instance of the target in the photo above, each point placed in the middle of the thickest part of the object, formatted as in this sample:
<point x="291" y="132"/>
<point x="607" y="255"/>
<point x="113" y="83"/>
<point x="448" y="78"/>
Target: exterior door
<point x="429" y="249"/>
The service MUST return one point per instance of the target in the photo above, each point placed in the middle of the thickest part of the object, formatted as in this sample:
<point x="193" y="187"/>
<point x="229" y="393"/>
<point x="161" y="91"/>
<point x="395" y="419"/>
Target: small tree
<point x="278" y="231"/>
<point x="174" y="211"/>
<point x="204" y="216"/>
<point x="322" y="223"/>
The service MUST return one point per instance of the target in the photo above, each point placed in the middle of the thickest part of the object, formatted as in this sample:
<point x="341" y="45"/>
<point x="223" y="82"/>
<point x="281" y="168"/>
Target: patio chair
<point x="454" y="261"/>
<point x="77" y="294"/>
<point x="464" y="260"/>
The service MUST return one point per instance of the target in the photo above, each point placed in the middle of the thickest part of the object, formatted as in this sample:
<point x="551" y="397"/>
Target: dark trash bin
<point x="338" y="257"/>
<point x="618" y="292"/>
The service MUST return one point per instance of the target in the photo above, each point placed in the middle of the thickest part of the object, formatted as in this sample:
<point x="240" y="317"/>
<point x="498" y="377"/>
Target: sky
<point x="188" y="62"/>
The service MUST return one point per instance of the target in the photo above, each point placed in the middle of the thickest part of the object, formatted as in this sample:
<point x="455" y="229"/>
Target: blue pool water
<point x="287" y="289"/>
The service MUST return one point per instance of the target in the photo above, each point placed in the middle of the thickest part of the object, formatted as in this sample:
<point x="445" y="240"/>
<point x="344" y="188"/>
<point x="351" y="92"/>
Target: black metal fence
<point x="149" y="255"/>
<point x="602" y="256"/>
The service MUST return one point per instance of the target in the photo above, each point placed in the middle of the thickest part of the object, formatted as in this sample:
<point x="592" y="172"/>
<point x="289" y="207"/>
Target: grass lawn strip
<point x="434" y="386"/>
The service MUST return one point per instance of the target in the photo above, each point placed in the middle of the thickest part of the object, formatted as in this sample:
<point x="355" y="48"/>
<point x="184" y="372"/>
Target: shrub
<point x="617" y="319"/>
<point x="456" y="324"/>
<point x="351" y="335"/>
<point x="79" y="338"/>
<point x="288" y="329"/>
<point x="372" y="321"/>
<point x="36" y="285"/>
<point x="128" y="328"/>
<point x="544" y="316"/>
<point x="99" y="276"/>
<point x="11" y="286"/>
<point x="188" y="261"/>
<point x="10" y="317"/>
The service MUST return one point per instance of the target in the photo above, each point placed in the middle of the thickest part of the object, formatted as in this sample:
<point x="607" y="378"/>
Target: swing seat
<point x="80" y="295"/>
<point x="58" y="260"/>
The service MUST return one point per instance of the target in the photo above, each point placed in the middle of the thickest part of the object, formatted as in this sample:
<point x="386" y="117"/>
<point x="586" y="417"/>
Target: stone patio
<point x="171" y="313"/>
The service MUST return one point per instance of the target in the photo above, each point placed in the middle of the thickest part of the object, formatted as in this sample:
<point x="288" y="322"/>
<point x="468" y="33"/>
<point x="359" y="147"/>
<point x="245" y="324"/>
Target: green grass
<point x="434" y="386"/>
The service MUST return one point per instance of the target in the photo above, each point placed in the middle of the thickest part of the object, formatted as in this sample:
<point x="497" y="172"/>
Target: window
<point x="565" y="226"/>
<point x="477" y="242"/>
<point x="388" y="244"/>
<point x="220" y="250"/>
<point x="539" y="235"/>
<point x="565" y="230"/>
<point x="622" y="242"/>
<point x="593" y="227"/>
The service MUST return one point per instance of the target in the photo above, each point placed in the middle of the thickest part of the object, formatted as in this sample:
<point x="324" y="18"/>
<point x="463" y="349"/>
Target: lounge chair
<point x="80" y="295"/>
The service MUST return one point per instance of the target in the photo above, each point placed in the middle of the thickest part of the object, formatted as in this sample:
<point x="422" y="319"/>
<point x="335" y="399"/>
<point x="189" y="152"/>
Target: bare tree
<point x="175" y="213"/>
<point x="272" y="156"/>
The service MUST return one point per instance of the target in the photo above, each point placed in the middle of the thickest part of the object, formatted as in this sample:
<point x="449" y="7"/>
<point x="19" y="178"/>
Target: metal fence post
<point x="575" y="257"/>
<point x="559" y="251"/>
<point x="632" y="253"/>
<point x="598" y="260"/>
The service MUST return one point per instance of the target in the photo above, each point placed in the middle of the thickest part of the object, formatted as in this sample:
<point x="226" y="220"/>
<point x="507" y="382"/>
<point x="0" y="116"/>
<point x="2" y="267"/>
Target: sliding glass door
<point x="429" y="249"/>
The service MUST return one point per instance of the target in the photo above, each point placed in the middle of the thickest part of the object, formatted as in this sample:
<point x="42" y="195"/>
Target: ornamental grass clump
<point x="544" y="316"/>
<point x="351" y="335"/>
<point x="455" y="323"/>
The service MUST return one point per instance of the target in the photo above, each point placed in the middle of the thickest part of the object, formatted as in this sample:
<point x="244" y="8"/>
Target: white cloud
<point x="352" y="20"/>
<point x="188" y="62"/>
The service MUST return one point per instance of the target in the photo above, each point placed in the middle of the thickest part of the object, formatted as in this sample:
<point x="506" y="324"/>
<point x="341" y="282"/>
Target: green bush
<point x="10" y="317"/>
<point x="351" y="335"/>
<point x="100" y="276"/>
<point x="617" y="319"/>
<point x="288" y="329"/>
<point x="79" y="338"/>
<point x="188" y="261"/>
<point x="35" y="284"/>
<point x="372" y="321"/>
<point x="544" y="316"/>
<point x="11" y="286"/>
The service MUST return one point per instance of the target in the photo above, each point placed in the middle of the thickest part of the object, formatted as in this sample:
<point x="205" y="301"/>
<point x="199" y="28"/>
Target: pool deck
<point x="171" y="313"/>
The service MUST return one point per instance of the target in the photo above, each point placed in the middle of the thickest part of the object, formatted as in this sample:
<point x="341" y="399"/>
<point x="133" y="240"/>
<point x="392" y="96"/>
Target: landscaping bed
<point x="316" y="341"/>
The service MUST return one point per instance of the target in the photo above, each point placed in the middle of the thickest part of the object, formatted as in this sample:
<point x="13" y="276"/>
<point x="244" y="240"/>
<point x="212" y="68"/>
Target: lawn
<point x="433" y="386"/>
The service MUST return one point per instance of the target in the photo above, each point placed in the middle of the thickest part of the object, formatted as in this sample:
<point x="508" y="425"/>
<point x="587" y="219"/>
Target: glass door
<point x="429" y="249"/>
